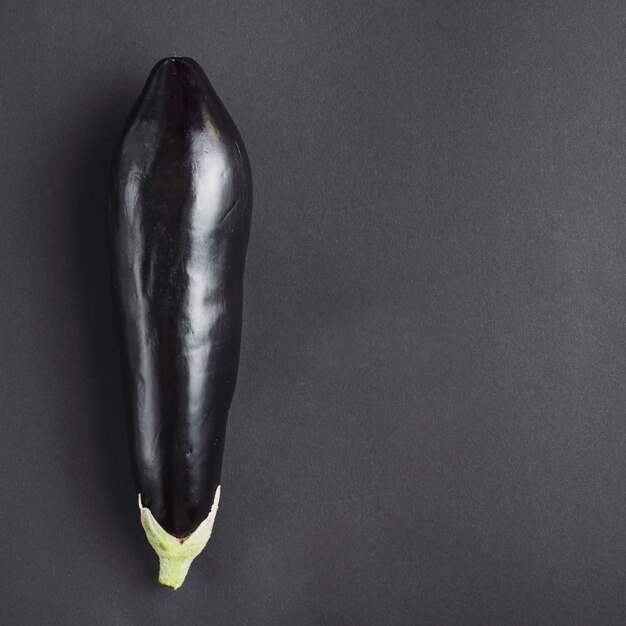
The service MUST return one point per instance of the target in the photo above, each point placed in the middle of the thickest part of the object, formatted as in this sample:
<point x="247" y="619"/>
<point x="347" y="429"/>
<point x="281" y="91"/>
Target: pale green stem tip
<point x="175" y="555"/>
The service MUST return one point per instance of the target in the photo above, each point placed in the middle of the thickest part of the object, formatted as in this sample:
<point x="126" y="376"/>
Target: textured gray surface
<point x="429" y="422"/>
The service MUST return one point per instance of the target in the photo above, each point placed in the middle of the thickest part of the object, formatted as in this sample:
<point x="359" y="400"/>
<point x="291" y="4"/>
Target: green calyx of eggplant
<point x="176" y="554"/>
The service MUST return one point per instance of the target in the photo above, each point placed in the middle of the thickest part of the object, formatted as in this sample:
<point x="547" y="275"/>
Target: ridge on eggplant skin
<point x="180" y="201"/>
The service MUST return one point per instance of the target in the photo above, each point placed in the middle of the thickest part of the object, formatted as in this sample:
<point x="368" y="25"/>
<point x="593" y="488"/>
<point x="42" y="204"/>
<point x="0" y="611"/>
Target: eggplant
<point x="179" y="211"/>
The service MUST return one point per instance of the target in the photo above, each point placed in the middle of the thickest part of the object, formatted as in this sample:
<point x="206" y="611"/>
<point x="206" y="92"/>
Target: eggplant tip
<point x="175" y="554"/>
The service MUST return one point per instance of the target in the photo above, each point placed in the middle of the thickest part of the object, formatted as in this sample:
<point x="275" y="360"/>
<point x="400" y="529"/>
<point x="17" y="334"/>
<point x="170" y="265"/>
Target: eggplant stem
<point x="176" y="554"/>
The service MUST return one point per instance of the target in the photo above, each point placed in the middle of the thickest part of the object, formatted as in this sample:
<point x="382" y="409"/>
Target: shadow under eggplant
<point x="90" y="180"/>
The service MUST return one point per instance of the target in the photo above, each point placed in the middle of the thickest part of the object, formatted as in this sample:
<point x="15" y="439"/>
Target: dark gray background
<point x="429" y="423"/>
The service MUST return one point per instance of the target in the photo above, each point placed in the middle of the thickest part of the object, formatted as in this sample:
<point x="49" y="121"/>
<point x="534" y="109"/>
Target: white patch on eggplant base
<point x="175" y="554"/>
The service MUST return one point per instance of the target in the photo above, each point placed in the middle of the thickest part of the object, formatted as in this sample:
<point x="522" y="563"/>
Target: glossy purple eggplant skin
<point x="180" y="201"/>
